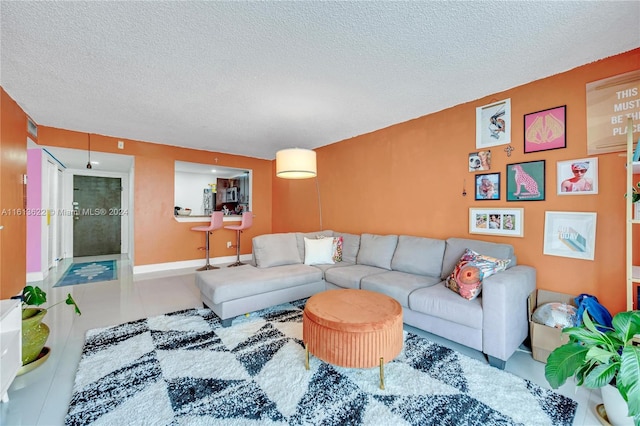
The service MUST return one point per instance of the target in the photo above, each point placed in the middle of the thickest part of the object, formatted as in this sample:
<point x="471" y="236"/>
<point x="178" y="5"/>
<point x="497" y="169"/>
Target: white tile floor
<point x="41" y="396"/>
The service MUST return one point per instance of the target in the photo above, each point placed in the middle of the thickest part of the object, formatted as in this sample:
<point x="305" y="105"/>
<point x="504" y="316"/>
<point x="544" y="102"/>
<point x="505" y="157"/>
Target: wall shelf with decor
<point x="633" y="223"/>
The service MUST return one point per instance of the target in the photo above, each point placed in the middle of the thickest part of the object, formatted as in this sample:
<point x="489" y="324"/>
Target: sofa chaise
<point x="412" y="270"/>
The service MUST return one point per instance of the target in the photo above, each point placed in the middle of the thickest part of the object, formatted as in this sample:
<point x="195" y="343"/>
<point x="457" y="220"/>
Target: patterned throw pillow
<point x="472" y="268"/>
<point x="337" y="247"/>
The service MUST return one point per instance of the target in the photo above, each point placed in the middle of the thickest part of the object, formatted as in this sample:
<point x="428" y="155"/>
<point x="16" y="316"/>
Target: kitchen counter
<point x="193" y="218"/>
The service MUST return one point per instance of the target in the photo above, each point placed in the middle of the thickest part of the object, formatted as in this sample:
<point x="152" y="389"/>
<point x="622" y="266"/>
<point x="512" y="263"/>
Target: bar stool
<point x="247" y="221"/>
<point x="216" y="223"/>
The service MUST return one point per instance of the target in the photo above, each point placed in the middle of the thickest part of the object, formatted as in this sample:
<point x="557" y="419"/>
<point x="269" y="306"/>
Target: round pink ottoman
<point x="353" y="328"/>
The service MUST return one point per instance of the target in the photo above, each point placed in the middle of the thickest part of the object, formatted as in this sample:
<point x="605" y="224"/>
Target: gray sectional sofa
<point x="410" y="269"/>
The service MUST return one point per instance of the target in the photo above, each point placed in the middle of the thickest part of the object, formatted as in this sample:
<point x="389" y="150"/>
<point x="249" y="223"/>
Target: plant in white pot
<point x="597" y="359"/>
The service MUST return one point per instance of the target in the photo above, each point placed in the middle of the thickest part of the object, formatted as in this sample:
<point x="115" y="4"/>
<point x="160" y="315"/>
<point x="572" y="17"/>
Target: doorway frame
<point x="52" y="201"/>
<point x="126" y="224"/>
<point x="44" y="224"/>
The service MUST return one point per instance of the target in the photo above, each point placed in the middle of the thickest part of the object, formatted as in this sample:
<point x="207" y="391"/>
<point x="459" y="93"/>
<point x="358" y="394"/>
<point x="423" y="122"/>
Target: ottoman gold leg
<point x="381" y="373"/>
<point x="306" y="350"/>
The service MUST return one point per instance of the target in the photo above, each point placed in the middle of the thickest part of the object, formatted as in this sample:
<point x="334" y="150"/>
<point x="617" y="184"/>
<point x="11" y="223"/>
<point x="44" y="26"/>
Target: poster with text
<point x="610" y="102"/>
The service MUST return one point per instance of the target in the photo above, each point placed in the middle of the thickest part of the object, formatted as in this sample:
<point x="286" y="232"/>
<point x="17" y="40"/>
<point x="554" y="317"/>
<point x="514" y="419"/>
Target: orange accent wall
<point x="404" y="179"/>
<point x="13" y="165"/>
<point x="158" y="237"/>
<point x="408" y="179"/>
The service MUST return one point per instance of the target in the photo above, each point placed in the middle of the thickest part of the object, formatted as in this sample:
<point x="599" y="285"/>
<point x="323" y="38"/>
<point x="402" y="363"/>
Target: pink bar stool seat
<point x="247" y="221"/>
<point x="216" y="223"/>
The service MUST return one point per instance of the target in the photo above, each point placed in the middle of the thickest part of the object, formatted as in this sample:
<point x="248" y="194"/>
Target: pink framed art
<point x="546" y="129"/>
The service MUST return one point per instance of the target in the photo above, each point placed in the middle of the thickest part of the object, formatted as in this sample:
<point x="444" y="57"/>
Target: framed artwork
<point x="578" y="177"/>
<point x="546" y="129"/>
<point x="506" y="222"/>
<point x="609" y="102"/>
<point x="493" y="124"/>
<point x="479" y="161"/>
<point x="570" y="234"/>
<point x="488" y="186"/>
<point x="525" y="181"/>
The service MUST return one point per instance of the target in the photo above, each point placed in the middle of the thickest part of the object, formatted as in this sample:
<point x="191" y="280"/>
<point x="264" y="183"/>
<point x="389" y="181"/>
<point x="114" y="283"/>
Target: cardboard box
<point x="545" y="339"/>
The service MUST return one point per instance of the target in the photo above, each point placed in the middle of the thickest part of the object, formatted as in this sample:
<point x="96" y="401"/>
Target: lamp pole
<point x="319" y="202"/>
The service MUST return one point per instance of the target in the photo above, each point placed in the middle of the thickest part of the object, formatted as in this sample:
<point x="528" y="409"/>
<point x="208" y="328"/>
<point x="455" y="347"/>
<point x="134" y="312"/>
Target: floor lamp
<point x="297" y="163"/>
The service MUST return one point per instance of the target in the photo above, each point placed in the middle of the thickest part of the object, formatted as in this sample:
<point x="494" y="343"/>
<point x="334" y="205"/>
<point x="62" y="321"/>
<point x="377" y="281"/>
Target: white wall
<point x="189" y="190"/>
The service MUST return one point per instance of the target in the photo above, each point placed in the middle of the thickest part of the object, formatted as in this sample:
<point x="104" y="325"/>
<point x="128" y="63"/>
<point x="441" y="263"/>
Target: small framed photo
<point x="525" y="181"/>
<point x="570" y="234"/>
<point x="493" y="124"/>
<point x="578" y="177"/>
<point x="506" y="222"/>
<point x="546" y="129"/>
<point x="480" y="161"/>
<point x="488" y="186"/>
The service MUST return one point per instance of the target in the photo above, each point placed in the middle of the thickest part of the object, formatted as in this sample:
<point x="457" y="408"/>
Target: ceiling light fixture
<point x="89" y="150"/>
<point x="297" y="163"/>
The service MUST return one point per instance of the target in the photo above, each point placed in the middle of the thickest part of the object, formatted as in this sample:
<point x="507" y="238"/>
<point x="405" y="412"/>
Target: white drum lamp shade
<point x="296" y="163"/>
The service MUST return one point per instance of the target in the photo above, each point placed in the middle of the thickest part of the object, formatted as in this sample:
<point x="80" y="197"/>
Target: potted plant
<point x="635" y="198"/>
<point x="635" y="195"/>
<point x="597" y="359"/>
<point x="34" y="332"/>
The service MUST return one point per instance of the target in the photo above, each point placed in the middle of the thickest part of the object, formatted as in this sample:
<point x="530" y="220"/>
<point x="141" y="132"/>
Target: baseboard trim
<point x="34" y="276"/>
<point x="159" y="267"/>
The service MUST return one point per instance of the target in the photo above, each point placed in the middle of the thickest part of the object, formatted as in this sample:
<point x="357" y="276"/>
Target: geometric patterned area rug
<point x="88" y="272"/>
<point x="183" y="368"/>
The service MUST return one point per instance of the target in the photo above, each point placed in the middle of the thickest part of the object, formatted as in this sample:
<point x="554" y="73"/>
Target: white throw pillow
<point x="318" y="252"/>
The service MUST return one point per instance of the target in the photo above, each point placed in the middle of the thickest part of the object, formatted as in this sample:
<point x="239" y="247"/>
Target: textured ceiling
<point x="251" y="78"/>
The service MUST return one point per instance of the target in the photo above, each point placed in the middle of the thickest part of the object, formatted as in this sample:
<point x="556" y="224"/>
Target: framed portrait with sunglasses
<point x="578" y="177"/>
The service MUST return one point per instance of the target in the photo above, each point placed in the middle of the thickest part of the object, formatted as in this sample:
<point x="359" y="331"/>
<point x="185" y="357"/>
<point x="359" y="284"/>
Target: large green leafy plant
<point x="34" y="296"/>
<point x="599" y="358"/>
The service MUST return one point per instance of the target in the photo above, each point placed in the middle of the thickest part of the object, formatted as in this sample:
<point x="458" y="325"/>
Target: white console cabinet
<point x="10" y="344"/>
